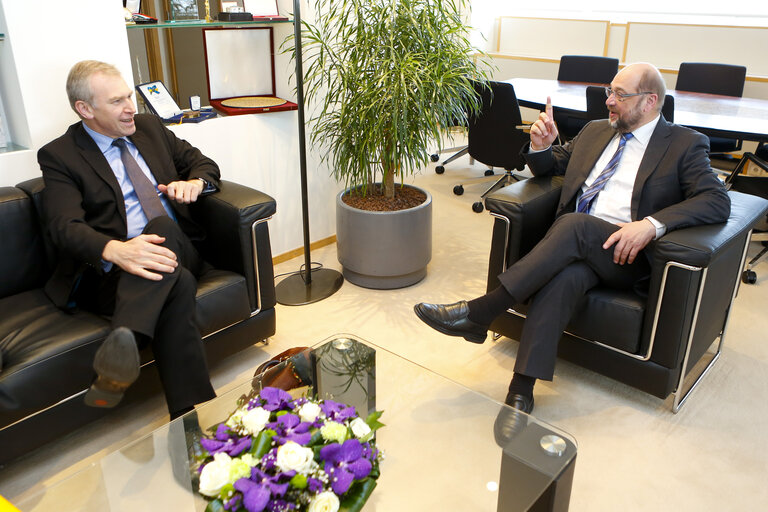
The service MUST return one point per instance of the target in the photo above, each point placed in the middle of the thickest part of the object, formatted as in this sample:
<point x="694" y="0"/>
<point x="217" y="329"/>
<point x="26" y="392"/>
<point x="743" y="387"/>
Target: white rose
<point x="255" y="420"/>
<point x="293" y="456"/>
<point x="215" y="475"/>
<point x="360" y="428"/>
<point x="324" y="502"/>
<point x="309" y="412"/>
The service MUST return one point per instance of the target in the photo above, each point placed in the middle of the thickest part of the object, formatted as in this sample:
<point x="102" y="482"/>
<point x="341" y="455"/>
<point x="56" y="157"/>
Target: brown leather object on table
<point x="280" y="371"/>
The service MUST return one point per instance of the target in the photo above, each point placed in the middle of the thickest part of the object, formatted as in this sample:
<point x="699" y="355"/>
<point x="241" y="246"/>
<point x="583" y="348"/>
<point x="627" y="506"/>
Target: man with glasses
<point x="627" y="181"/>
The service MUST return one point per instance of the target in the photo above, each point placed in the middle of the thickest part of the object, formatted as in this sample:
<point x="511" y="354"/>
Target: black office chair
<point x="710" y="78"/>
<point x="752" y="179"/>
<point x="581" y="68"/>
<point x="494" y="137"/>
<point x="597" y="109"/>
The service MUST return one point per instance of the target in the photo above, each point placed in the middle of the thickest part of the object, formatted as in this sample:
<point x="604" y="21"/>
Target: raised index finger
<point x="548" y="108"/>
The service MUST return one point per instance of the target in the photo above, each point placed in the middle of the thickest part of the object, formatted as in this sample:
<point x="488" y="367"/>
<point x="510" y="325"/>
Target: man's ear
<point x="84" y="109"/>
<point x="651" y="101"/>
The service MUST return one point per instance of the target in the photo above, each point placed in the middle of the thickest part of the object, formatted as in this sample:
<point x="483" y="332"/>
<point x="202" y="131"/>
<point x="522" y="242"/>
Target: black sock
<point x="522" y="385"/>
<point x="484" y="309"/>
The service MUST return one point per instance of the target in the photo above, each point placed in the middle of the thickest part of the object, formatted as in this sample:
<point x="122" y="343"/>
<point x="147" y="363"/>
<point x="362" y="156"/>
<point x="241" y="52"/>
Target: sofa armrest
<point x="238" y="237"/>
<point x="524" y="212"/>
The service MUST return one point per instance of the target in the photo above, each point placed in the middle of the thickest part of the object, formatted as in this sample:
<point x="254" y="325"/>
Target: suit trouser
<point x="164" y="312"/>
<point x="555" y="275"/>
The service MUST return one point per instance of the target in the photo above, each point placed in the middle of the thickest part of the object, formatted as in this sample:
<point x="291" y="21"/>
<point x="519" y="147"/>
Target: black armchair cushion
<point x="222" y="300"/>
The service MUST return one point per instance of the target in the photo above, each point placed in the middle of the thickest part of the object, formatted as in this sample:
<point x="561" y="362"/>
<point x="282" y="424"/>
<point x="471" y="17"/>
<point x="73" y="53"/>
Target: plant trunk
<point x="389" y="184"/>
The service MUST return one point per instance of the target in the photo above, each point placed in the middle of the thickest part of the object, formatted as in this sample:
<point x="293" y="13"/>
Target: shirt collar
<point x="643" y="133"/>
<point x="104" y="142"/>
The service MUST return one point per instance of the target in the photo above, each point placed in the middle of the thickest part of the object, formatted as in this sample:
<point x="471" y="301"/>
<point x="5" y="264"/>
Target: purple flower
<point x="255" y="496"/>
<point x="344" y="464"/>
<point x="280" y="506"/>
<point x="289" y="427"/>
<point x="336" y="411"/>
<point x="227" y="442"/>
<point x="272" y="482"/>
<point x="314" y="485"/>
<point x="233" y="503"/>
<point x="274" y="399"/>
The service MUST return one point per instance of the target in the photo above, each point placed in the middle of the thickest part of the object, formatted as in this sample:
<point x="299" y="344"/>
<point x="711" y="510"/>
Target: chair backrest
<point x="596" y="108"/>
<point x="493" y="138"/>
<point x="725" y="79"/>
<point x="587" y="68"/>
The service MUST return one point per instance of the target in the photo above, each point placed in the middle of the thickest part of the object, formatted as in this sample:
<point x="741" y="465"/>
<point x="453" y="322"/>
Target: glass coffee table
<point x="442" y="446"/>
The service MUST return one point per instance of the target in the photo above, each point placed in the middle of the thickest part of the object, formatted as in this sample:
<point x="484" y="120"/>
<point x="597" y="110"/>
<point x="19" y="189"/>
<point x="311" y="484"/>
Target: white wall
<point x="260" y="151"/>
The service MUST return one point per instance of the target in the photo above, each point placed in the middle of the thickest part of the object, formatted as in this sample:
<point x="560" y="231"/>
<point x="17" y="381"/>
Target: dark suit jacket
<point x="83" y="205"/>
<point x="675" y="183"/>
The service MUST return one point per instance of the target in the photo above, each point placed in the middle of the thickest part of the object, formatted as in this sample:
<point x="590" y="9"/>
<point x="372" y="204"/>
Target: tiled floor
<point x="634" y="454"/>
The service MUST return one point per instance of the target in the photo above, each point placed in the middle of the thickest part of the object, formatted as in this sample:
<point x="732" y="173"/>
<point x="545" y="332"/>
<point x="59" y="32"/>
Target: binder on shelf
<point x="240" y="70"/>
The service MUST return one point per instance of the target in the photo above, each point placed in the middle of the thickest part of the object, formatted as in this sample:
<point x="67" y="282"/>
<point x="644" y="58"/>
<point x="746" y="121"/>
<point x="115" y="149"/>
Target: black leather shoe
<point x="117" y="366"/>
<point x="513" y="419"/>
<point x="520" y="402"/>
<point x="451" y="319"/>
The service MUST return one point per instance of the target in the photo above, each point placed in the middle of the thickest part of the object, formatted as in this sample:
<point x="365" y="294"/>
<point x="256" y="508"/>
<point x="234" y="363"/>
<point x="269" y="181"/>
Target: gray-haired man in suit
<point x="627" y="181"/>
<point x="116" y="203"/>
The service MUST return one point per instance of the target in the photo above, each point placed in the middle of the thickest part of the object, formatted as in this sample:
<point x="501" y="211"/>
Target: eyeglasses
<point x="621" y="96"/>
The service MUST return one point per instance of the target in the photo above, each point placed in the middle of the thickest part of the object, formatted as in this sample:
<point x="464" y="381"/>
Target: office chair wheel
<point x="477" y="207"/>
<point x="488" y="172"/>
<point x="749" y="277"/>
<point x="439" y="169"/>
<point x="458" y="190"/>
<point x="434" y="157"/>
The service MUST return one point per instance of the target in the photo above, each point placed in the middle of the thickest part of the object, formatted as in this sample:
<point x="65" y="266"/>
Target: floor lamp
<point x="308" y="286"/>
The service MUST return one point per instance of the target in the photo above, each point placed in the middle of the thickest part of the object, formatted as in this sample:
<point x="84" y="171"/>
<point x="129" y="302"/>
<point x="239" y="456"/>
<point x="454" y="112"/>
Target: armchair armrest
<point x="697" y="246"/>
<point x="238" y="237"/>
<point x="524" y="211"/>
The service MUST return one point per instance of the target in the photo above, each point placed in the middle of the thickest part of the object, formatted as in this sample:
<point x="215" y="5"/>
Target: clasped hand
<point x="630" y="239"/>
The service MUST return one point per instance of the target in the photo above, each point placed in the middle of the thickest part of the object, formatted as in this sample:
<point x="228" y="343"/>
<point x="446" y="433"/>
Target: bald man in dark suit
<point x="116" y="257"/>
<point x="627" y="181"/>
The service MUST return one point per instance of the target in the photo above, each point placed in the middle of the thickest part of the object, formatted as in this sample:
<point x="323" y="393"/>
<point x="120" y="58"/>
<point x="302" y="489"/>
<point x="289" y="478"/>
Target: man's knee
<point x="163" y="226"/>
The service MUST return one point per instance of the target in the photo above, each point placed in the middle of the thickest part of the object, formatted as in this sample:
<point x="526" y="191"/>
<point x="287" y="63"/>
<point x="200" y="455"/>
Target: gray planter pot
<point x="384" y="250"/>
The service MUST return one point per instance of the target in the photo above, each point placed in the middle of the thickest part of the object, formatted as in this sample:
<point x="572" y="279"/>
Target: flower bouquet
<point x="276" y="453"/>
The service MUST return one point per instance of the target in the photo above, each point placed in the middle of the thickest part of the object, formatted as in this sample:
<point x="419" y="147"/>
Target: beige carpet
<point x="634" y="454"/>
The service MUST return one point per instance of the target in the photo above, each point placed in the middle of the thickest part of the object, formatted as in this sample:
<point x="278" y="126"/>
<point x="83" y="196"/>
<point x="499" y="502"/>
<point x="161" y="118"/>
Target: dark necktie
<point x="145" y="190"/>
<point x="588" y="197"/>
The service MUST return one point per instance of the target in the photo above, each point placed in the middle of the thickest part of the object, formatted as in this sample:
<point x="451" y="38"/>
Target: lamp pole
<point x="307" y="286"/>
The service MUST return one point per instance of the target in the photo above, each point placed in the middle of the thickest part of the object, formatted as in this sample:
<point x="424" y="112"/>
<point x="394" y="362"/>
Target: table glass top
<point x="440" y="448"/>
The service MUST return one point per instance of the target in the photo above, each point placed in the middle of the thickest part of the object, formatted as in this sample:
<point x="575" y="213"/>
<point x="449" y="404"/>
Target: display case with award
<point x="240" y="69"/>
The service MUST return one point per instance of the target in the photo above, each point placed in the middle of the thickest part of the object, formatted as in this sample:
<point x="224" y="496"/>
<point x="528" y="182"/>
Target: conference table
<point x="712" y="114"/>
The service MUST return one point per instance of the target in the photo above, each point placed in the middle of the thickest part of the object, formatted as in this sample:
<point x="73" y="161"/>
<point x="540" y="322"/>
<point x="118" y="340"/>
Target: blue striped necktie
<point x="588" y="197"/>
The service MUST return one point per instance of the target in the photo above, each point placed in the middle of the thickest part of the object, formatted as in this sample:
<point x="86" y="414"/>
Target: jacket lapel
<point x="657" y="147"/>
<point x="579" y="168"/>
<point x="146" y="147"/>
<point x="91" y="154"/>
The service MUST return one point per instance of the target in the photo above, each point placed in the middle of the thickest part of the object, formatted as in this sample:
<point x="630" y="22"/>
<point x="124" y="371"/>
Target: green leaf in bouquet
<point x="262" y="443"/>
<point x="226" y="491"/>
<point x="215" y="506"/>
<point x="373" y="420"/>
<point x="317" y="438"/>
<point x="299" y="481"/>
<point x="357" y="495"/>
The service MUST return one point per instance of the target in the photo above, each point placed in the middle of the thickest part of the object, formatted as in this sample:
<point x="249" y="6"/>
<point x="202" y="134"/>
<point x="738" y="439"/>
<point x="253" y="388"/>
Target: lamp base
<point x="293" y="291"/>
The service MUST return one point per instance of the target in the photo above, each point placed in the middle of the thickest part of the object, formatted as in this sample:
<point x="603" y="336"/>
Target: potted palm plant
<point x="384" y="77"/>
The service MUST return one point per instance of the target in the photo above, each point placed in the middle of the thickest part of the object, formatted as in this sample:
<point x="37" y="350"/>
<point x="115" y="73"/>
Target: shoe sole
<point x="469" y="337"/>
<point x="117" y="363"/>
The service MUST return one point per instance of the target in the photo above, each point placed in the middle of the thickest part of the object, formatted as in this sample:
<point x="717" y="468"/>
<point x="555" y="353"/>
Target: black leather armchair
<point x="651" y="342"/>
<point x="46" y="354"/>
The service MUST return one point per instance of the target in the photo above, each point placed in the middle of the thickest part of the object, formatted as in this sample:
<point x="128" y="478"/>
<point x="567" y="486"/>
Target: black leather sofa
<point x="651" y="342"/>
<point x="46" y="354"/>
